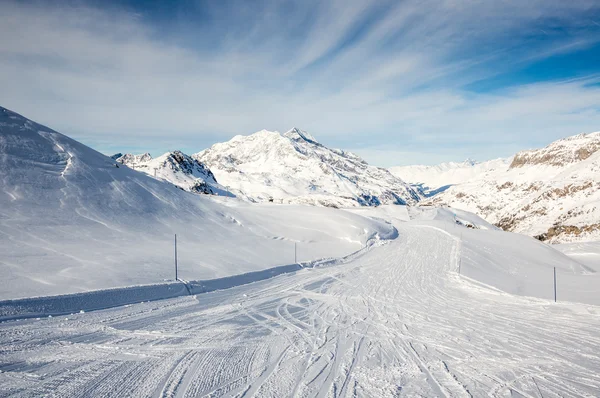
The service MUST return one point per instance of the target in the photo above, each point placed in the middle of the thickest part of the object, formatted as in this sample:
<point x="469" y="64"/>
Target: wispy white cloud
<point x="358" y="74"/>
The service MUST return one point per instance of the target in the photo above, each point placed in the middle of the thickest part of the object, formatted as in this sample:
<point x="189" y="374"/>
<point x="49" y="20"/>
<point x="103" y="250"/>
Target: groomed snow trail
<point x="397" y="321"/>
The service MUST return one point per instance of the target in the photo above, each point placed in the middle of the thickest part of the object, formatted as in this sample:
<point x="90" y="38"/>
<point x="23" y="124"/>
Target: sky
<point x="397" y="82"/>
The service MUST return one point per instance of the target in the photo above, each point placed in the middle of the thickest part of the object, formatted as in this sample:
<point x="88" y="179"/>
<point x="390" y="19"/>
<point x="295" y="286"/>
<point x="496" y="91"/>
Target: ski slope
<point x="415" y="301"/>
<point x="396" y="321"/>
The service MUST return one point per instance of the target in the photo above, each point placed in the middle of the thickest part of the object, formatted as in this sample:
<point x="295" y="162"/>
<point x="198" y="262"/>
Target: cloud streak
<point x="356" y="74"/>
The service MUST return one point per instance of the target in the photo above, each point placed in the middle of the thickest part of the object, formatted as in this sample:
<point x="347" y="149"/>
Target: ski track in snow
<point x="396" y="321"/>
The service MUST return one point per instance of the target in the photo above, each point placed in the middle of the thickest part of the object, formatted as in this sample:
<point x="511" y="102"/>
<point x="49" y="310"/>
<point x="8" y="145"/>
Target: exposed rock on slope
<point x="295" y="168"/>
<point x="551" y="193"/>
<point x="560" y="153"/>
<point x="177" y="168"/>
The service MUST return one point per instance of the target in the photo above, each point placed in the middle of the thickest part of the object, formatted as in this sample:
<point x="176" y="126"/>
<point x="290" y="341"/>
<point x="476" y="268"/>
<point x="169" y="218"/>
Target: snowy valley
<point x="375" y="291"/>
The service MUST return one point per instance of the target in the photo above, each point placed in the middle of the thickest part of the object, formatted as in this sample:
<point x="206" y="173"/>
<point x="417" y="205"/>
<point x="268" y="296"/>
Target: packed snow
<point x="398" y="320"/>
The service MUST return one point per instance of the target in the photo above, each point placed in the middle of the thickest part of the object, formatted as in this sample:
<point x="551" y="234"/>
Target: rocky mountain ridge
<point x="177" y="168"/>
<point x="560" y="153"/>
<point x="552" y="193"/>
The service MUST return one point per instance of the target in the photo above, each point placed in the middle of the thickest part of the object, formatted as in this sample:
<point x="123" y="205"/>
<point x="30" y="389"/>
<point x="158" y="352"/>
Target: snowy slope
<point x="71" y="221"/>
<point x="295" y="168"/>
<point x="433" y="179"/>
<point x="587" y="253"/>
<point x="177" y="168"/>
<point x="397" y="321"/>
<point x="552" y="193"/>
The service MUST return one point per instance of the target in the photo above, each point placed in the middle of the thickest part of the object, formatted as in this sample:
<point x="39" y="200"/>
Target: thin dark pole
<point x="555" y="284"/>
<point x="176" y="258"/>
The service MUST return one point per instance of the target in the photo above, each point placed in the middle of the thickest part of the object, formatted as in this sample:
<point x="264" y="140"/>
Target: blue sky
<point x="398" y="82"/>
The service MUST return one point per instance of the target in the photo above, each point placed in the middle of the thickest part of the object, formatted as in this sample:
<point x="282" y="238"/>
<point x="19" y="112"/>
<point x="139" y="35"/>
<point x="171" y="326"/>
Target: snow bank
<point x="521" y="265"/>
<point x="35" y="307"/>
<point x="94" y="300"/>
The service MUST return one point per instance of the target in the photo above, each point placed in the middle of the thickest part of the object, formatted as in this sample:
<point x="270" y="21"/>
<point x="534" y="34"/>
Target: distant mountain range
<point x="431" y="180"/>
<point x="551" y="193"/>
<point x="284" y="168"/>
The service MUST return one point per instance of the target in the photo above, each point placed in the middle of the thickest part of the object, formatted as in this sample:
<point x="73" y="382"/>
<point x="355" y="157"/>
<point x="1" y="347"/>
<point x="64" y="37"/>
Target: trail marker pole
<point x="555" y="284"/>
<point x="176" y="258"/>
<point x="295" y="253"/>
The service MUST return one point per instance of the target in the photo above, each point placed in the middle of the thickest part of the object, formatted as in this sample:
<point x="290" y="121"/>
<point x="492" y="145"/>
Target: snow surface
<point x="398" y="320"/>
<point x="294" y="168"/>
<point x="71" y="221"/>
<point x="587" y="253"/>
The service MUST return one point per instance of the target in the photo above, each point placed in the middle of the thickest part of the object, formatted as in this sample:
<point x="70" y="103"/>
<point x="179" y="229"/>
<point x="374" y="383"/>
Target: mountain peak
<point x="296" y="134"/>
<point x="131" y="159"/>
<point x="294" y="168"/>
<point x="562" y="152"/>
<point x="177" y="168"/>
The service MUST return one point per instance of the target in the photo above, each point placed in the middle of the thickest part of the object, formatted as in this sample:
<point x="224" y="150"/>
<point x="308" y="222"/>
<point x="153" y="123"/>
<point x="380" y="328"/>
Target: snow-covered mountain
<point x="434" y="179"/>
<point x="177" y="168"/>
<point x="551" y="193"/>
<point x="132" y="160"/>
<point x="71" y="221"/>
<point x="294" y="168"/>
